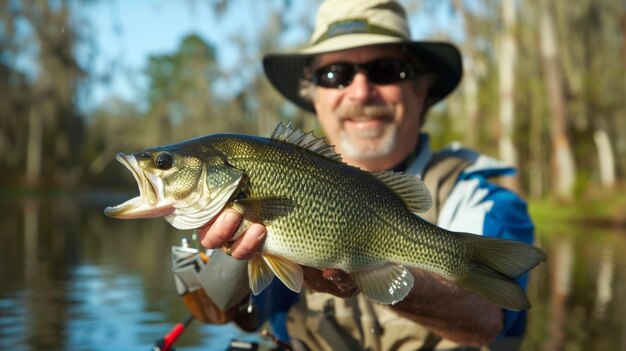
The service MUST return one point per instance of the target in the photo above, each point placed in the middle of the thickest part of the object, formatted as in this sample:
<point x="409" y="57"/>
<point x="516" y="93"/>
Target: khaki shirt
<point x="325" y="322"/>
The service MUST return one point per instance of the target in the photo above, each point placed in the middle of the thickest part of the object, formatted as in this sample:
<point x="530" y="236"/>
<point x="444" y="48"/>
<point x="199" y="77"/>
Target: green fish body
<point x="320" y="212"/>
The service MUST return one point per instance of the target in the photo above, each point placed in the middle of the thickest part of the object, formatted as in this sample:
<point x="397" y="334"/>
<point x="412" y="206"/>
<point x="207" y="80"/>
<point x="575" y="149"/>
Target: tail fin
<point x="495" y="265"/>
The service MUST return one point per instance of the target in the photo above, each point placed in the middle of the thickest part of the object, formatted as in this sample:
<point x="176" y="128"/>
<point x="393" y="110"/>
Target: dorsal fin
<point x="410" y="188"/>
<point x="304" y="140"/>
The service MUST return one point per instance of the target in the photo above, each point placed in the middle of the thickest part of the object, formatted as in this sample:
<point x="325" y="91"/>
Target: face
<point x="373" y="126"/>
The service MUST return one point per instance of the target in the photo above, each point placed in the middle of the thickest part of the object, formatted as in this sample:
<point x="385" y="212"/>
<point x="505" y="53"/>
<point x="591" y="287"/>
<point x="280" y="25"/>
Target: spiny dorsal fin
<point x="304" y="140"/>
<point x="410" y="188"/>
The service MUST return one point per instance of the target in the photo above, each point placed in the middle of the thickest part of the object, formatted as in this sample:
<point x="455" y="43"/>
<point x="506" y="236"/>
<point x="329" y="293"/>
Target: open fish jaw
<point x="150" y="202"/>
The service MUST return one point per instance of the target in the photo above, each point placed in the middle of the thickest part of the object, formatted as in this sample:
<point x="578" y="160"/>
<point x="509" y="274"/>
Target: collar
<point x="423" y="154"/>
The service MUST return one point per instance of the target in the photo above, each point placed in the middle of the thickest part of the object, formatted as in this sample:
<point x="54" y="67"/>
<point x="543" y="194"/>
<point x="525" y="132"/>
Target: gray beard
<point x="369" y="150"/>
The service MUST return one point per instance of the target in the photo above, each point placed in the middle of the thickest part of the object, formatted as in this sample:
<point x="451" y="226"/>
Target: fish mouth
<point x="151" y="201"/>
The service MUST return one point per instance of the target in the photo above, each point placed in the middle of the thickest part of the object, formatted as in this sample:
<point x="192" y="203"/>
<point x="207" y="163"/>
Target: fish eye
<point x="164" y="160"/>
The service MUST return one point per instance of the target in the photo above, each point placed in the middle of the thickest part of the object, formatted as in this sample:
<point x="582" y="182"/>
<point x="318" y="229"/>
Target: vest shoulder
<point x="478" y="163"/>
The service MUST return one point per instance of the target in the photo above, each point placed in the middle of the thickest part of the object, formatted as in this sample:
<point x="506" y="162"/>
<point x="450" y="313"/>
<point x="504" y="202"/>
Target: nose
<point x="361" y="89"/>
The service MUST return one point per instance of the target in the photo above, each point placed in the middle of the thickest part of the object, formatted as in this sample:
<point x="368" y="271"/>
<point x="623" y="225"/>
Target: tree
<point x="180" y="100"/>
<point x="562" y="158"/>
<point x="506" y="69"/>
<point x="43" y="110"/>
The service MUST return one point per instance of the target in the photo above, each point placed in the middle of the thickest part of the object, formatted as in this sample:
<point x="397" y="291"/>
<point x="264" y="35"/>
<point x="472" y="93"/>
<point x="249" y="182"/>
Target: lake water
<point x="73" y="279"/>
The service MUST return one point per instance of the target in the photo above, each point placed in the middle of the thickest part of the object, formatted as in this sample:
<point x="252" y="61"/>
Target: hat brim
<point x="442" y="59"/>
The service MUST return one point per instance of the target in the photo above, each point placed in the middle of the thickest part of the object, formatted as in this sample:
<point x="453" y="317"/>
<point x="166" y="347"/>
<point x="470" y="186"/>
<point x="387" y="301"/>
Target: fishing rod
<point x="166" y="342"/>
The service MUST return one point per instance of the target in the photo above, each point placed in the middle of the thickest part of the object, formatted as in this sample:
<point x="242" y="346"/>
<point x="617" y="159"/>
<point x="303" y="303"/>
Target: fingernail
<point x="231" y="218"/>
<point x="259" y="231"/>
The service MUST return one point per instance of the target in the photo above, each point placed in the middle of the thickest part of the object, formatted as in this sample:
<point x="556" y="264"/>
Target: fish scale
<point x="321" y="212"/>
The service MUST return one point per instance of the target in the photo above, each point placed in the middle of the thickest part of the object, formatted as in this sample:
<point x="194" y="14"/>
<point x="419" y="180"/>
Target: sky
<point x="126" y="33"/>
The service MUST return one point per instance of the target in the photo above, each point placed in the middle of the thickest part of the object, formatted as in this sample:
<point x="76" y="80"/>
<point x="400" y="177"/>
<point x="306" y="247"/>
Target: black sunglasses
<point x="385" y="71"/>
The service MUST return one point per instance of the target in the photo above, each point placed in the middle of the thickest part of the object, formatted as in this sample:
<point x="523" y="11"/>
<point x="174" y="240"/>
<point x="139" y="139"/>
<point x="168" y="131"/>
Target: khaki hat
<point x="348" y="24"/>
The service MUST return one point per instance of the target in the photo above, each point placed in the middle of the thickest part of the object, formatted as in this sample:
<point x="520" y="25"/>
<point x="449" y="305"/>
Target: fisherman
<point x="370" y="86"/>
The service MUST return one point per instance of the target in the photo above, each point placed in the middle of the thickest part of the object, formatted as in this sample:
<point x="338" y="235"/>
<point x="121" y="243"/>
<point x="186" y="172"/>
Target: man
<point x="370" y="87"/>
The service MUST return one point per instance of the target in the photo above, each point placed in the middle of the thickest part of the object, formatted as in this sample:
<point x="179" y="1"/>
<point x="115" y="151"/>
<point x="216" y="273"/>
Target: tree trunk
<point x="506" y="69"/>
<point x="34" y="148"/>
<point x="621" y="143"/>
<point x="537" y="145"/>
<point x="470" y="77"/>
<point x="562" y="158"/>
<point x="606" y="158"/>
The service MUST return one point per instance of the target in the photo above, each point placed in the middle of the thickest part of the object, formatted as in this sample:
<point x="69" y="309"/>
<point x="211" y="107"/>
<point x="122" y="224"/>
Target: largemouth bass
<point x="320" y="212"/>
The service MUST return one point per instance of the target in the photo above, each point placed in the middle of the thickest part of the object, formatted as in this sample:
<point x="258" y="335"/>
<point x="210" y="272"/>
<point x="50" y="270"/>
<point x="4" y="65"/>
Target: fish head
<point x="186" y="185"/>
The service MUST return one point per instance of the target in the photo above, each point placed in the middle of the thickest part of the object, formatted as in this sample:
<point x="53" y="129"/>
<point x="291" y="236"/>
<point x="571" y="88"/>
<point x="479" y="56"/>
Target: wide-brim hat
<point x="349" y="24"/>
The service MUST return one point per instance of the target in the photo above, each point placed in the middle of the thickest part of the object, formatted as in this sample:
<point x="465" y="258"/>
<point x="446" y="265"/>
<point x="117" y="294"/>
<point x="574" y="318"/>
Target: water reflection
<point x="579" y="296"/>
<point x="72" y="279"/>
<point x="604" y="291"/>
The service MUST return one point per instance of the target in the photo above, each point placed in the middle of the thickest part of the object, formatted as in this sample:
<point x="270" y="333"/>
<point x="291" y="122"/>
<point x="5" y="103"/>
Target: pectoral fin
<point x="263" y="267"/>
<point x="264" y="209"/>
<point x="387" y="284"/>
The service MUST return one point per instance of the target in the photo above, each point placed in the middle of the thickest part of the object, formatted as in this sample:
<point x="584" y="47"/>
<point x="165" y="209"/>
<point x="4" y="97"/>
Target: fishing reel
<point x="214" y="286"/>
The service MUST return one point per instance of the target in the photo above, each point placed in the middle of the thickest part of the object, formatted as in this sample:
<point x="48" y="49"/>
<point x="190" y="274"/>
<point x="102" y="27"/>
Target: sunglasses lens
<point x="337" y="75"/>
<point x="389" y="71"/>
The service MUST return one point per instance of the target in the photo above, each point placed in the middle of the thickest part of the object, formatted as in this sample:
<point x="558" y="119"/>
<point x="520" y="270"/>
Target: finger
<point x="221" y="230"/>
<point x="249" y="243"/>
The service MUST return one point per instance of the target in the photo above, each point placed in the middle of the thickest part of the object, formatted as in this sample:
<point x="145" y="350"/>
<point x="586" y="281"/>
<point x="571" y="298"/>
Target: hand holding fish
<point x="221" y="231"/>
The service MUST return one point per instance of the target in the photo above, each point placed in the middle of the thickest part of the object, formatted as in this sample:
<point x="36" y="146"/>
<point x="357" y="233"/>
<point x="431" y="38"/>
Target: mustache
<point x="364" y="111"/>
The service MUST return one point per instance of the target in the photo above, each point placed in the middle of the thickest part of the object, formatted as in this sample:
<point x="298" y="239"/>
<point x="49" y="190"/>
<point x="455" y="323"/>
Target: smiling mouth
<point x="367" y="122"/>
<point x="366" y="112"/>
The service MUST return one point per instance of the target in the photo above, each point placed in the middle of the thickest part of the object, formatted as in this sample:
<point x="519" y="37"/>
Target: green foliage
<point x="180" y="95"/>
<point x="185" y="98"/>
<point x="599" y="208"/>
